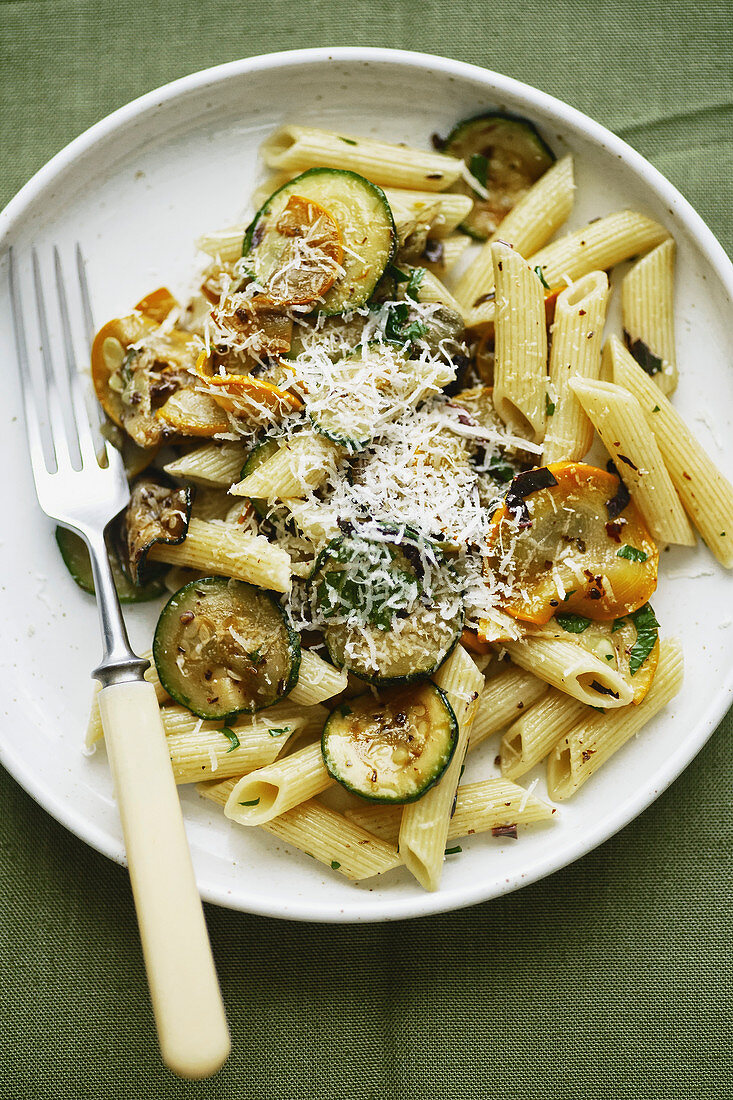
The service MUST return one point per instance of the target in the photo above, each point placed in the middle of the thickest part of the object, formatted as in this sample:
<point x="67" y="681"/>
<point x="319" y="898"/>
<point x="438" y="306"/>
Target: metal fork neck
<point x="119" y="664"/>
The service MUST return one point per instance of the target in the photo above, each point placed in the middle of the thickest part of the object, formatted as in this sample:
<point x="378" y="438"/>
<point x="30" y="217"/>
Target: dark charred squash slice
<point x="158" y="512"/>
<point x="75" y="556"/>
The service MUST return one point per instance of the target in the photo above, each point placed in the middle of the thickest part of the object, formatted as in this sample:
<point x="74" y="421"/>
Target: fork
<point x="83" y="486"/>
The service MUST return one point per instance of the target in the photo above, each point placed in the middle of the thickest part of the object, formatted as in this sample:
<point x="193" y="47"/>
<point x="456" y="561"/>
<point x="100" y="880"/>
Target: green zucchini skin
<point x="394" y="748"/>
<point x="197" y="678"/>
<point x="75" y="556"/>
<point x="409" y="645"/>
<point x="512" y="156"/>
<point x="314" y="184"/>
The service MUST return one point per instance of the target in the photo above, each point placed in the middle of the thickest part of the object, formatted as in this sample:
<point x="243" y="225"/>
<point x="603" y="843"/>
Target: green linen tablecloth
<point x="610" y="979"/>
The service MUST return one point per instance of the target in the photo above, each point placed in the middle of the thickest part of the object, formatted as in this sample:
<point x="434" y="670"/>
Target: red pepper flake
<point x="505" y="830"/>
<point x="187" y="617"/>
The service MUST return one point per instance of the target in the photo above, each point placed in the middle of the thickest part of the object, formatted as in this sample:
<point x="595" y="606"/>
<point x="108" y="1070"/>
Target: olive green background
<point x="610" y="979"/>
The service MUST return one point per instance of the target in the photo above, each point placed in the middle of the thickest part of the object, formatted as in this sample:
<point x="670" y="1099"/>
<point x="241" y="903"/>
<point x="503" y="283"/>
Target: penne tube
<point x="620" y="422"/>
<point x="317" y="680"/>
<point x="222" y="549"/>
<point x="328" y="836"/>
<point x="270" y="791"/>
<point x="424" y="825"/>
<point x="297" y="148"/>
<point x="571" y="669"/>
<point x="214" y="465"/>
<point x="520" y="348"/>
<point x="596" y="738"/>
<point x="575" y="352"/>
<point x="300" y="465"/>
<point x="647" y="308"/>
<point x="433" y="290"/>
<point x="488" y="804"/>
<point x="211" y="504"/>
<point x="707" y="496"/>
<point x="507" y="694"/>
<point x="224" y="244"/>
<point x="529" y="225"/>
<point x="597" y="246"/>
<point x="449" y="251"/>
<point x="537" y="731"/>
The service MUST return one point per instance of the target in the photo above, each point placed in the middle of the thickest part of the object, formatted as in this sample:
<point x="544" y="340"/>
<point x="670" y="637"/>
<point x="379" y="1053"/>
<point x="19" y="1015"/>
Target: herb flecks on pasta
<point x="398" y="546"/>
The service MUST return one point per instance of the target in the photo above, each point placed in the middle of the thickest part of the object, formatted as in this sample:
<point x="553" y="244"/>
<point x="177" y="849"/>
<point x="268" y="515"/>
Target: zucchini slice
<point x="294" y="254"/>
<point x="223" y="646"/>
<point x="506" y="154"/>
<point x="76" y="559"/>
<point x="157" y="512"/>
<point x="391" y="608"/>
<point x="393" y="748"/>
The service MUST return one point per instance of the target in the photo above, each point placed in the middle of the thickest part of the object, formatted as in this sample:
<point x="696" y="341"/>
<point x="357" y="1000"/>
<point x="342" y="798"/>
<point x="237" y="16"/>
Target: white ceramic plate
<point x="136" y="190"/>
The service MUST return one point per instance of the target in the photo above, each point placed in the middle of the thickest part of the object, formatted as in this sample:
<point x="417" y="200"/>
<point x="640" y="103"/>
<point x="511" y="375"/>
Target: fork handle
<point x="189" y="1013"/>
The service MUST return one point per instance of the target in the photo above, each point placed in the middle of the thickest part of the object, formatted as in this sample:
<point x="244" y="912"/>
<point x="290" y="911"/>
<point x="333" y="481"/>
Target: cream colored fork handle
<point x="189" y="1013"/>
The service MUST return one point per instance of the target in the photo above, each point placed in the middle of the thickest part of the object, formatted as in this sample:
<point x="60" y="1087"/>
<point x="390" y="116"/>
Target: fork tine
<point x="60" y="436"/>
<point x="86" y="302"/>
<point x="32" y="419"/>
<point x="84" y="431"/>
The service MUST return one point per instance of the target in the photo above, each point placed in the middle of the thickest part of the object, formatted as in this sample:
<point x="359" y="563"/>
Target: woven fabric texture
<point x="610" y="979"/>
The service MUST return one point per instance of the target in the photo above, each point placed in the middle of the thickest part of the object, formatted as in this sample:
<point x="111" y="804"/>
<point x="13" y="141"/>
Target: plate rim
<point x="705" y="241"/>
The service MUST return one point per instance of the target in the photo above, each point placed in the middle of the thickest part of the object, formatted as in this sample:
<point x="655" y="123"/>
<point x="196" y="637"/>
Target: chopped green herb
<point x="631" y="553"/>
<point x="254" y="802"/>
<point x="618" y="624"/>
<point x="574" y="624"/>
<point x="453" y="851"/>
<point x="655" y="409"/>
<point x="567" y="595"/>
<point x="541" y="276"/>
<point x="335" y="865"/>
<point x="599" y="709"/>
<point x="500" y="471"/>
<point x="647" y="632"/>
<point x="397" y="273"/>
<point x="233" y="739"/>
<point x="278" y="731"/>
<point x="414" y="283"/>
<point x="609" y="656"/>
<point x="549" y="405"/>
<point x="347" y="141"/>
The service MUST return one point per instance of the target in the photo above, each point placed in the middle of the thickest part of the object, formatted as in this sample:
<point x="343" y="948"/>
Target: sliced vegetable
<point x="223" y="646"/>
<point x="258" y="326"/>
<point x="157" y="305"/>
<point x="392" y="609"/>
<point x="506" y="155"/>
<point x="190" y="412"/>
<point x="392" y="748"/>
<point x="629" y="645"/>
<point x="239" y="391"/>
<point x="551" y="542"/>
<point x="76" y="559"/>
<point x="342" y="272"/>
<point x="157" y="512"/>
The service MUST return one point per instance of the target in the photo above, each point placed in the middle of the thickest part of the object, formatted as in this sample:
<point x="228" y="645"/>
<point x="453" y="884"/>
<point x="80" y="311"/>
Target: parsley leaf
<point x="647" y="632"/>
<point x="335" y="865"/>
<point x="574" y="624"/>
<point x="453" y="851"/>
<point x="254" y="802"/>
<point x="618" y="624"/>
<point x="541" y="276"/>
<point x="234" y="740"/>
<point x="348" y="141"/>
<point x="414" y="283"/>
<point x="278" y="731"/>
<point x="549" y="405"/>
<point x="631" y="553"/>
<point x="478" y="166"/>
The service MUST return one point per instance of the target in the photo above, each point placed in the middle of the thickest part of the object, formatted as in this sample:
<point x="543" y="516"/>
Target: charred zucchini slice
<point x="506" y="154"/>
<point x="393" y="748"/>
<point x="324" y="237"/>
<point x="392" y="608"/>
<point x="157" y="512"/>
<point x="76" y="559"/>
<point x="223" y="646"/>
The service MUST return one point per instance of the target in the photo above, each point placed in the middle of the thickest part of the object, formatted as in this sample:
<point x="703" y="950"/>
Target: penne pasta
<point x="706" y="494"/>
<point x="220" y="548"/>
<point x="509" y="693"/>
<point x="575" y="352"/>
<point x="300" y="465"/>
<point x="449" y="251"/>
<point x="445" y="211"/>
<point x="596" y="738"/>
<point x="620" y="422"/>
<point x="432" y="290"/>
<point x="318" y="680"/>
<point x="297" y="148"/>
<point x="520" y="364"/>
<point x="324" y="834"/>
<point x="529" y="739"/>
<point x="270" y="791"/>
<point x="647" y="306"/>
<point x="529" y="225"/>
<point x="224" y="245"/>
<point x="215" y="465"/>
<point x="424" y="825"/>
<point x="572" y="669"/>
